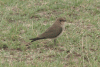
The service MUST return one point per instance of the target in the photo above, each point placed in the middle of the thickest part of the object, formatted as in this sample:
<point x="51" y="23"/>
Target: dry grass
<point x="20" y="20"/>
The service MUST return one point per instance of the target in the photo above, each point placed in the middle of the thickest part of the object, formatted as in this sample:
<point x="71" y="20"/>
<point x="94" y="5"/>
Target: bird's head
<point x="61" y="21"/>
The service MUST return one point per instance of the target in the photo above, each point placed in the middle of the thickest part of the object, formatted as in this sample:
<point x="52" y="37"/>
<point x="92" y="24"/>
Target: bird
<point x="52" y="32"/>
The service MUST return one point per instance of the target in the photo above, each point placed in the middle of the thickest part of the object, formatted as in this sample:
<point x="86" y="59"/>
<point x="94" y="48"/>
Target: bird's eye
<point x="60" y="20"/>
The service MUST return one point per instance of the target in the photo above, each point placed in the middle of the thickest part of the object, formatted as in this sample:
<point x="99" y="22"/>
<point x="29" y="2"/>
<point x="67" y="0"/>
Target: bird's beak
<point x="65" y="20"/>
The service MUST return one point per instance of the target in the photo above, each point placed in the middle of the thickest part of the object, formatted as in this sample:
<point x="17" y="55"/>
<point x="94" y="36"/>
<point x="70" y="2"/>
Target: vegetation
<point x="79" y="45"/>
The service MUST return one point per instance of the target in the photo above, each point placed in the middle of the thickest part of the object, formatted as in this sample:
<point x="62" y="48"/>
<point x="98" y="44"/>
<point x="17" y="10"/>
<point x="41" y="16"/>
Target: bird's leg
<point x="55" y="41"/>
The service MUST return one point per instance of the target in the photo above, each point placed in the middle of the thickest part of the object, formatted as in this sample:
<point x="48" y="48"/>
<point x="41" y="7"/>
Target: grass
<point x="20" y="20"/>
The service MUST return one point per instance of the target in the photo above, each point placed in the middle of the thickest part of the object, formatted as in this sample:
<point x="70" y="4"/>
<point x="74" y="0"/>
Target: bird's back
<point x="52" y="32"/>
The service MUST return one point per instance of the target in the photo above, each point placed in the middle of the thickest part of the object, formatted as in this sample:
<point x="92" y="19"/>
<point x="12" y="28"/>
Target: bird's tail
<point x="34" y="39"/>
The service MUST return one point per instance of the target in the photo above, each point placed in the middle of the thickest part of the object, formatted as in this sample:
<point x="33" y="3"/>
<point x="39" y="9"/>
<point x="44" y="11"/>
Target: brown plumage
<point x="52" y="32"/>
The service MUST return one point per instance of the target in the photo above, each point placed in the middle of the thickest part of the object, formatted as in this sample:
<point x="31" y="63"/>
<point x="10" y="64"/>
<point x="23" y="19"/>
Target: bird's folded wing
<point x="51" y="32"/>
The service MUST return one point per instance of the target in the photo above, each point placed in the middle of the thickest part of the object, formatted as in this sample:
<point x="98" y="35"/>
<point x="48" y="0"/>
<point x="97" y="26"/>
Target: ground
<point x="78" y="46"/>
